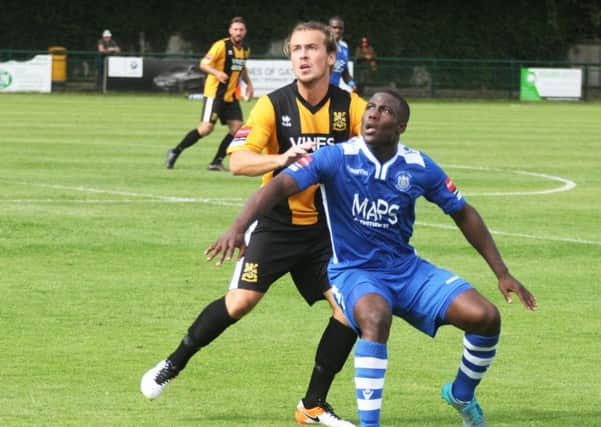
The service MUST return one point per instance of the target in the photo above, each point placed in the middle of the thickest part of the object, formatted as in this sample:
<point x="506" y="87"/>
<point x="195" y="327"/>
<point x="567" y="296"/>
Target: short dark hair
<point x="405" y="111"/>
<point x="336" y="18"/>
<point x="238" y="20"/>
<point x="313" y="25"/>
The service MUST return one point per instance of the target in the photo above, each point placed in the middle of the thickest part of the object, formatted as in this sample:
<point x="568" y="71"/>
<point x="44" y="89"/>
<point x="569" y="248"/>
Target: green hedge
<point x="538" y="29"/>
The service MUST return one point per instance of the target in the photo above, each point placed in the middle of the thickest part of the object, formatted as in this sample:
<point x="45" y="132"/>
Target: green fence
<point x="466" y="78"/>
<point x="414" y="77"/>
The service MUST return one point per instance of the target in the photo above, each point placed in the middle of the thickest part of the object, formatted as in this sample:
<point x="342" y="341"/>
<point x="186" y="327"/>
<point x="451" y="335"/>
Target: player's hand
<point x="225" y="246"/>
<point x="508" y="284"/>
<point x="250" y="92"/>
<point x="296" y="152"/>
<point x="222" y="77"/>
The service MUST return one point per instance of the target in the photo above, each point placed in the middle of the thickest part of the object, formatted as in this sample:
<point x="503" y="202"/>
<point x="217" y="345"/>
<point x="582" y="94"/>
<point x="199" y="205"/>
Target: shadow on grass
<point x="441" y="417"/>
<point x="523" y="418"/>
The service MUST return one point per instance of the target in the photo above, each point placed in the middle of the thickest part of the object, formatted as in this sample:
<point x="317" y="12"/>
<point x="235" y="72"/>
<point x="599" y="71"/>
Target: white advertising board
<point x="34" y="75"/>
<point x="270" y="74"/>
<point x="125" y="66"/>
<point x="550" y="83"/>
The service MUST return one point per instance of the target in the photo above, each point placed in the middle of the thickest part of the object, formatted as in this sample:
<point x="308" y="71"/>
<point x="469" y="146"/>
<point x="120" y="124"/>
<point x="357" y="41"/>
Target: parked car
<point x="180" y="78"/>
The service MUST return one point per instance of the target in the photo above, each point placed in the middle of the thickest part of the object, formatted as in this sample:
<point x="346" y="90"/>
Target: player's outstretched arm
<point x="259" y="203"/>
<point x="249" y="163"/>
<point x="477" y="234"/>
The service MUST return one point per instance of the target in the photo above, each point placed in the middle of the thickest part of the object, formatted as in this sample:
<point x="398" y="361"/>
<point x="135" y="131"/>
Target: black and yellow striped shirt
<point x="224" y="56"/>
<point x="283" y="118"/>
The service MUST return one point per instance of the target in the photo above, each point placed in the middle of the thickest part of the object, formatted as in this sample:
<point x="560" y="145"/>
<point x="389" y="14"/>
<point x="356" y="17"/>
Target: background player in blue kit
<point x="340" y="68"/>
<point x="369" y="187"/>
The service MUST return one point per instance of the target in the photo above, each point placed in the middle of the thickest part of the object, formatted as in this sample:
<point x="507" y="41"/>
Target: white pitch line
<point x="152" y="197"/>
<point x="521" y="235"/>
<point x="219" y="202"/>
<point x="567" y="184"/>
<point x="238" y="202"/>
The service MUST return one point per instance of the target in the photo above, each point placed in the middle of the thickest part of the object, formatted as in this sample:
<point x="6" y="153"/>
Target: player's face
<point x="337" y="28"/>
<point x="237" y="32"/>
<point x="381" y="124"/>
<point x="310" y="60"/>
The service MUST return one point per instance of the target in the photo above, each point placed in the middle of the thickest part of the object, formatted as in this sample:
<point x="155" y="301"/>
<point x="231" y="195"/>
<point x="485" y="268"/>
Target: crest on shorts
<point x="339" y="121"/>
<point x="251" y="272"/>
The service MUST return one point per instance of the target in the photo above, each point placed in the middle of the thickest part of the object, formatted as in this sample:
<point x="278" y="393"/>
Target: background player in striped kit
<point x="224" y="64"/>
<point x="373" y="184"/>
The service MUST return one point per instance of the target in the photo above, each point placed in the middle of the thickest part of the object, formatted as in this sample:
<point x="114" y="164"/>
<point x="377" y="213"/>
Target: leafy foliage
<point x="517" y="29"/>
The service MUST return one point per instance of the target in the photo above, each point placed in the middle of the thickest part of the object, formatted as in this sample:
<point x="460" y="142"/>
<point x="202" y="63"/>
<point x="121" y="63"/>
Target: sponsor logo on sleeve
<point x="301" y="163"/>
<point x="241" y="135"/>
<point x="453" y="188"/>
<point x="304" y="161"/>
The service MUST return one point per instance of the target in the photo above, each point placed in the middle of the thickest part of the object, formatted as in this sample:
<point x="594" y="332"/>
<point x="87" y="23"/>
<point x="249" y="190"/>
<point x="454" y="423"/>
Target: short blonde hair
<point x="330" y="39"/>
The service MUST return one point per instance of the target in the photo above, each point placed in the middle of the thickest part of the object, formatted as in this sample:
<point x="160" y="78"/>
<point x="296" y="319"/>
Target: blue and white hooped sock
<point x="371" y="361"/>
<point x="478" y="354"/>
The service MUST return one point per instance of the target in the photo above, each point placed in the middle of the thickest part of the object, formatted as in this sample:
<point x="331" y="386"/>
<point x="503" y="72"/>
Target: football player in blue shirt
<point x="369" y="187"/>
<point x="340" y="68"/>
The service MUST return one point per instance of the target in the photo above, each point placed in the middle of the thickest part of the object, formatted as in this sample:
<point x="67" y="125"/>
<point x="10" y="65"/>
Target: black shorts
<point x="271" y="254"/>
<point x="217" y="108"/>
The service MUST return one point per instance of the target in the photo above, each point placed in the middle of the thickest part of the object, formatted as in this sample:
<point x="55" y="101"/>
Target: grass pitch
<point x="101" y="269"/>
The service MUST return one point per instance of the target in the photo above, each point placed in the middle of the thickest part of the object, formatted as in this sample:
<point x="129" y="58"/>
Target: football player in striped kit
<point x="225" y="65"/>
<point x="292" y="238"/>
<point x="369" y="186"/>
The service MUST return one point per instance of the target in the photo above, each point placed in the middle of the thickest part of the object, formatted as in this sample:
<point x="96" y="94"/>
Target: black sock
<point x="188" y="141"/>
<point x="209" y="324"/>
<point x="221" y="152"/>
<point x="334" y="347"/>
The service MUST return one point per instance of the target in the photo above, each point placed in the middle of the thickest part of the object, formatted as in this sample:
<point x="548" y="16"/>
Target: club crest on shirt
<point x="339" y="121"/>
<point x="403" y="181"/>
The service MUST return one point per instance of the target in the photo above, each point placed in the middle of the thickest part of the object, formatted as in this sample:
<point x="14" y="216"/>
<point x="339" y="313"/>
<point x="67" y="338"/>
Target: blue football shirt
<point x="341" y="63"/>
<point x="370" y="207"/>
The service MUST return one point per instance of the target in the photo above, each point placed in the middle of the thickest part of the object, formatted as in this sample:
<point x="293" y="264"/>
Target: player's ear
<point x="331" y="58"/>
<point x="402" y="128"/>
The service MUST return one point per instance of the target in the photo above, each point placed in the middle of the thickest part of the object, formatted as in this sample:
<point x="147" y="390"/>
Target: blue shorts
<point x="420" y="296"/>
